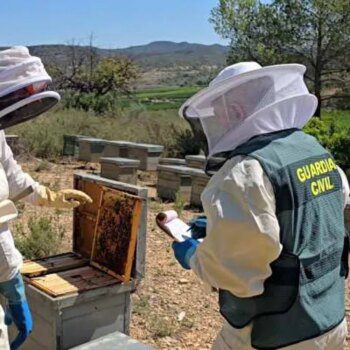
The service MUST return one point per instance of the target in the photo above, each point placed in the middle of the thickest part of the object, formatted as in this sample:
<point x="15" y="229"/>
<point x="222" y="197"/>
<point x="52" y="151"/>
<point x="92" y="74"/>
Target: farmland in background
<point x="150" y="116"/>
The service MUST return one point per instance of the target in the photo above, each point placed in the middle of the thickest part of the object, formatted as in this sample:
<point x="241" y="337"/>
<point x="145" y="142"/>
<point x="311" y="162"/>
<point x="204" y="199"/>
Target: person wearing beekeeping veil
<point x="276" y="247"/>
<point x="24" y="95"/>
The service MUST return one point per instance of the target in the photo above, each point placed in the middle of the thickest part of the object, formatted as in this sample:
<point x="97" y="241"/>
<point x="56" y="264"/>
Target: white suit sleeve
<point x="17" y="179"/>
<point x="346" y="189"/>
<point x="242" y="232"/>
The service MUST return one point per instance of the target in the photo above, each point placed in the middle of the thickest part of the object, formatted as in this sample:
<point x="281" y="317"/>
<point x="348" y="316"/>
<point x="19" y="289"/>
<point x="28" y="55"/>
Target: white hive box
<point x="172" y="161"/>
<point x="91" y="149"/>
<point x="196" y="161"/>
<point x="116" y="149"/>
<point x="120" y="169"/>
<point x="173" y="179"/>
<point x="147" y="154"/>
<point x="199" y="181"/>
<point x="71" y="145"/>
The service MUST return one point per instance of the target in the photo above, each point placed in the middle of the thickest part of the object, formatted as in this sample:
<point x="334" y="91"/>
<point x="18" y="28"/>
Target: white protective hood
<point x="19" y="70"/>
<point x="246" y="100"/>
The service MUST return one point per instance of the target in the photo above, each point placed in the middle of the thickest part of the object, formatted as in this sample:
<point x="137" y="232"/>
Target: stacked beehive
<point x="91" y="149"/>
<point x="147" y="154"/>
<point x="120" y="169"/>
<point x="71" y="145"/>
<point x="173" y="179"/>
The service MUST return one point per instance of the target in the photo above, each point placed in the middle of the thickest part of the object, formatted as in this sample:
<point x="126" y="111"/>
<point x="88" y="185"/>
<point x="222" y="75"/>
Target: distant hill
<point x="153" y="55"/>
<point x="162" y="62"/>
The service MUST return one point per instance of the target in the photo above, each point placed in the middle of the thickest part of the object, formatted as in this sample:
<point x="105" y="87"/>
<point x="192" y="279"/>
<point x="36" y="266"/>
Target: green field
<point x="162" y="98"/>
<point x="173" y="97"/>
<point x="151" y="116"/>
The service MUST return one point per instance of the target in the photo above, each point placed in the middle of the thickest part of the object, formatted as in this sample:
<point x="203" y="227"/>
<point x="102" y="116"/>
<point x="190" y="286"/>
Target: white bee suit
<point x="243" y="233"/>
<point x="242" y="241"/>
<point x="12" y="182"/>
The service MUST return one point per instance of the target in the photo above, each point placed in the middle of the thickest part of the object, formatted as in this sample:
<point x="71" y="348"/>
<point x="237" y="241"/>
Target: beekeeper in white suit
<point x="23" y="96"/>
<point x="276" y="247"/>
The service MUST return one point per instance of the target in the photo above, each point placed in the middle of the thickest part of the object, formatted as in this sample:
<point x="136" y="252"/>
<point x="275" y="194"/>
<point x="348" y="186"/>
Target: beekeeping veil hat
<point x="246" y="100"/>
<point x="23" y="84"/>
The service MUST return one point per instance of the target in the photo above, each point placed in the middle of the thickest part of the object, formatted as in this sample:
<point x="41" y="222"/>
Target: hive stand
<point x="120" y="169"/>
<point x="91" y="149"/>
<point x="172" y="161"/>
<point x="102" y="306"/>
<point x="71" y="145"/>
<point x="116" y="149"/>
<point x="147" y="154"/>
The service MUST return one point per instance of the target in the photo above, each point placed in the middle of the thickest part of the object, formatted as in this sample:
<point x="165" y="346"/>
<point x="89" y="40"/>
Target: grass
<point x="179" y="203"/>
<point x="161" y="327"/>
<point x="41" y="237"/>
<point x="43" y="165"/>
<point x="142" y="307"/>
<point x="43" y="136"/>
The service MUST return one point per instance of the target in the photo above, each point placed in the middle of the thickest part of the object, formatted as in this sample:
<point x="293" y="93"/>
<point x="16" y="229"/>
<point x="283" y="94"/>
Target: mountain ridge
<point x="162" y="63"/>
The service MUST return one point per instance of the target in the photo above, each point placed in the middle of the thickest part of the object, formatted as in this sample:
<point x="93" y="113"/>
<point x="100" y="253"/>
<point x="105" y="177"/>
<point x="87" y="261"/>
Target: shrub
<point x="91" y="101"/>
<point x="42" y="237"/>
<point x="339" y="146"/>
<point x="184" y="143"/>
<point x="333" y="137"/>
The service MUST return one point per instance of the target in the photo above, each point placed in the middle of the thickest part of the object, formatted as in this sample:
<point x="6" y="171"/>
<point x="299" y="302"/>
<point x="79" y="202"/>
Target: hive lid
<point x="119" y="143"/>
<point x="121" y="161"/>
<point x="197" y="157"/>
<point x="149" y="147"/>
<point x="183" y="170"/>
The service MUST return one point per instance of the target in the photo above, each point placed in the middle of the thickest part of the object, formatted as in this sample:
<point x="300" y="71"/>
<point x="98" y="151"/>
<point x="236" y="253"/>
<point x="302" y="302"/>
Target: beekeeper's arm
<point x="242" y="233"/>
<point x="18" y="181"/>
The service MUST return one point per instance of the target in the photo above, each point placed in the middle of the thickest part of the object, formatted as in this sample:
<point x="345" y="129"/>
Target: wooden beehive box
<point x="84" y="294"/>
<point x="104" y="243"/>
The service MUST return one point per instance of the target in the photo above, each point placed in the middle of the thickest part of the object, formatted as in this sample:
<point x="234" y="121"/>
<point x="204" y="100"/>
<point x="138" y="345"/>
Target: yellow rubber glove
<point x="64" y="199"/>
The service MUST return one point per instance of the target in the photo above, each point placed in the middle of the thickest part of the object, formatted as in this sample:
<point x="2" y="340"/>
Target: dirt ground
<point x="172" y="309"/>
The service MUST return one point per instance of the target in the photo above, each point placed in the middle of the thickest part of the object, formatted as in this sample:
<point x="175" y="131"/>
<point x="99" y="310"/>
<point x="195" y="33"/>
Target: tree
<point x="88" y="72"/>
<point x="313" y="32"/>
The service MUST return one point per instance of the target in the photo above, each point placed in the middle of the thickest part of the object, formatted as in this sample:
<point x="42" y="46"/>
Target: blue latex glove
<point x="184" y="250"/>
<point x="17" y="309"/>
<point x="198" y="227"/>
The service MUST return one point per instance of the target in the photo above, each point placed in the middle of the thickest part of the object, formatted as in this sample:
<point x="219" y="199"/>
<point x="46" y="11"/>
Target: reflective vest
<point x="304" y="296"/>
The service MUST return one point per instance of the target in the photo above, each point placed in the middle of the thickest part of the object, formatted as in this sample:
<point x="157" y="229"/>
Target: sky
<point x="114" y="23"/>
